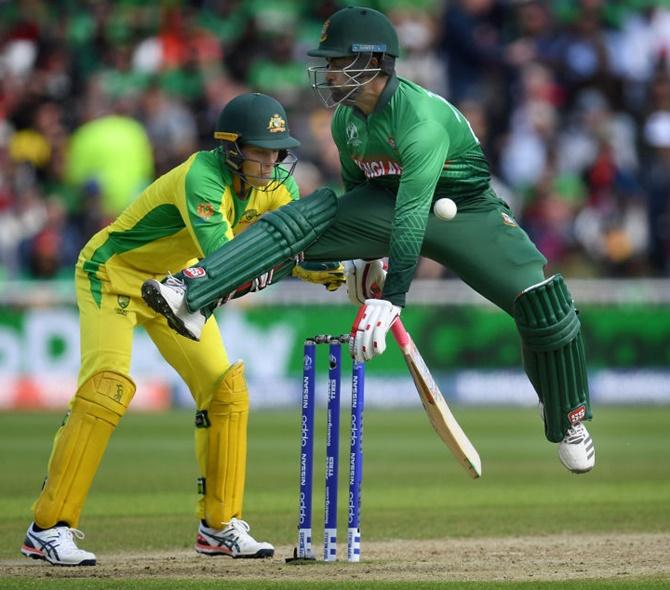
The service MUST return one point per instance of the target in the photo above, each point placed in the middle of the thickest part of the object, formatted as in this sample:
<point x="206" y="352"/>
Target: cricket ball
<point x="445" y="209"/>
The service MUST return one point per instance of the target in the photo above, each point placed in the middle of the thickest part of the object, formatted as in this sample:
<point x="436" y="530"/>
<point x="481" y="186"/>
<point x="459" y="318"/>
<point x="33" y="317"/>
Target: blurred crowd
<point x="570" y="100"/>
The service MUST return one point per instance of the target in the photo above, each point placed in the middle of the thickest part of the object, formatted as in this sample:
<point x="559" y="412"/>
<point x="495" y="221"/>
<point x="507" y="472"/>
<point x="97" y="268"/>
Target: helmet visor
<point x="266" y="177"/>
<point x="339" y="84"/>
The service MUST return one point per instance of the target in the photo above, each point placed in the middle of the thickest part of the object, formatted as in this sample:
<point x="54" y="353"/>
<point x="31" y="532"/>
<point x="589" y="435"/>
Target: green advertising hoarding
<point x="472" y="350"/>
<point x="475" y="337"/>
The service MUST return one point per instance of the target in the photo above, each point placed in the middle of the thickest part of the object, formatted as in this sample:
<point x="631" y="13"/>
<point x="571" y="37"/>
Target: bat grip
<point x="400" y="334"/>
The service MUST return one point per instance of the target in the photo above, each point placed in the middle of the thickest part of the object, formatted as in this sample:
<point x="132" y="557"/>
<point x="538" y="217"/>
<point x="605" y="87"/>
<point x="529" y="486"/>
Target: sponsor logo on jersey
<point x="205" y="210"/>
<point x="195" y="272"/>
<point x="508" y="219"/>
<point x="376" y="168"/>
<point x="276" y="124"/>
<point x="123" y="301"/>
<point x="324" y="31"/>
<point x="577" y="415"/>
<point x="249" y="215"/>
<point x="352" y="135"/>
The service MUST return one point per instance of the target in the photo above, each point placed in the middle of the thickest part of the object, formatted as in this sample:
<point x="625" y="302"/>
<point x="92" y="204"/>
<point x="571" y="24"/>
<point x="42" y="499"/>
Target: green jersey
<point x="420" y="147"/>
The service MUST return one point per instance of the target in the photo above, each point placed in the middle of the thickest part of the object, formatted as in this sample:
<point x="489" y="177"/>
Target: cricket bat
<point x="439" y="414"/>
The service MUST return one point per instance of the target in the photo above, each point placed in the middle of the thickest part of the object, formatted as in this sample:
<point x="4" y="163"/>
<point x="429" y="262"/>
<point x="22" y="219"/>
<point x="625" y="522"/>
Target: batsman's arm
<point x="423" y="150"/>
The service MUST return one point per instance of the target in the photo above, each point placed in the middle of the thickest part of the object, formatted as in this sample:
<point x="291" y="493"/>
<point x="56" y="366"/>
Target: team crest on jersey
<point x="508" y="220"/>
<point x="276" y="124"/>
<point x="392" y="142"/>
<point x="352" y="135"/>
<point x="195" y="272"/>
<point x="205" y="210"/>
<point x="324" y="31"/>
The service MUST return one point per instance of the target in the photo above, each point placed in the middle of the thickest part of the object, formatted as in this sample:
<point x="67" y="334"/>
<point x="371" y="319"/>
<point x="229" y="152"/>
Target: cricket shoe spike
<point x="234" y="540"/>
<point x="56" y="545"/>
<point x="576" y="451"/>
<point x="168" y="297"/>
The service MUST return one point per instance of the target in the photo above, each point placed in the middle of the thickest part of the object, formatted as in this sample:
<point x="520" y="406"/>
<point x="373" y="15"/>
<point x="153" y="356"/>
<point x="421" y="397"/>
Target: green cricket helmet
<point x="361" y="34"/>
<point x="356" y="29"/>
<point x="255" y="119"/>
<point x="258" y="120"/>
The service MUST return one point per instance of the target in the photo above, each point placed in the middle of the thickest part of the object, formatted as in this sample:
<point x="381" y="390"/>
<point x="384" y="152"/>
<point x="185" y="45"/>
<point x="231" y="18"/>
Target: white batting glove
<point x="365" y="279"/>
<point x="368" y="334"/>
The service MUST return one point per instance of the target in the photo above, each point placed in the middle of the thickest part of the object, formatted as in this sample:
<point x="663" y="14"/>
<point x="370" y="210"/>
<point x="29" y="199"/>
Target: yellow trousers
<point x="106" y="345"/>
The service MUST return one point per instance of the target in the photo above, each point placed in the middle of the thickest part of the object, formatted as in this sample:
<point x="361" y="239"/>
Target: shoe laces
<point x="241" y="526"/>
<point x="67" y="536"/>
<point x="175" y="283"/>
<point x="575" y="434"/>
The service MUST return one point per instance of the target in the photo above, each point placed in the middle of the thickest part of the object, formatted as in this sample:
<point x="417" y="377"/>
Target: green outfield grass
<point x="413" y="488"/>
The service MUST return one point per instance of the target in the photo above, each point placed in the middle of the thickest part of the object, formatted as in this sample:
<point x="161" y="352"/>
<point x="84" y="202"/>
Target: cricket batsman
<point x="402" y="148"/>
<point x="187" y="214"/>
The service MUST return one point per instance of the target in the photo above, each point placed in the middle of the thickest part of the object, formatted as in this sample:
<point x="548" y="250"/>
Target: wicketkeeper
<point x="188" y="213"/>
<point x="401" y="149"/>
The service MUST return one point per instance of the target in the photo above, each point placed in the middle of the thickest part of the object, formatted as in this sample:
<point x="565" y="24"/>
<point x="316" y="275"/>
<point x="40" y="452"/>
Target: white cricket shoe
<point x="576" y="450"/>
<point x="234" y="541"/>
<point x="57" y="546"/>
<point x="169" y="299"/>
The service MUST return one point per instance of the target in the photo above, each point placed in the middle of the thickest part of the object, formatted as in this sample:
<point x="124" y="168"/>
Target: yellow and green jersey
<point x="184" y="215"/>
<point x="420" y="147"/>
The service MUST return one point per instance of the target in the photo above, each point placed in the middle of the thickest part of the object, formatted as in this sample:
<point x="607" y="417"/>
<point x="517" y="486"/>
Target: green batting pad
<point x="276" y="237"/>
<point x="554" y="354"/>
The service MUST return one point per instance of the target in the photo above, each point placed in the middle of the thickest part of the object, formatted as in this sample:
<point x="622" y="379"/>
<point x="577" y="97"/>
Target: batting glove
<point x="365" y="279"/>
<point x="368" y="334"/>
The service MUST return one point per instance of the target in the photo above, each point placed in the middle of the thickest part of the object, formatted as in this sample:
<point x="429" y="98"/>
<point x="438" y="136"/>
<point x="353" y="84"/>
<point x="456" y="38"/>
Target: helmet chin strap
<point x="242" y="187"/>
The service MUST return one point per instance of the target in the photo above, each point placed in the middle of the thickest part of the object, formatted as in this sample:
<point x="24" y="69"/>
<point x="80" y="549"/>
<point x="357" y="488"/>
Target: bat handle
<point x="401" y="335"/>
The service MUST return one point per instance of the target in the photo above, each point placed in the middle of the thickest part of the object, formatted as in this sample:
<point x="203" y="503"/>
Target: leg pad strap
<point x="223" y="449"/>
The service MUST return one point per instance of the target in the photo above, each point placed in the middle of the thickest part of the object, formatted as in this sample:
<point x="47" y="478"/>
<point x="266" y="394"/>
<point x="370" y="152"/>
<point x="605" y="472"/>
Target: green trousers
<point x="483" y="245"/>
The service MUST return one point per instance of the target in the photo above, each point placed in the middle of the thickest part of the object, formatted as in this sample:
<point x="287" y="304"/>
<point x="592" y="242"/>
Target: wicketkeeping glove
<point x="368" y="334"/>
<point x="365" y="279"/>
<point x="330" y="274"/>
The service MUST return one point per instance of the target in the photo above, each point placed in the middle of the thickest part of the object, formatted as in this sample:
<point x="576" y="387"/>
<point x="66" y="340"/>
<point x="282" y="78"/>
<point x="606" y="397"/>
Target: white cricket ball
<point x="445" y="209"/>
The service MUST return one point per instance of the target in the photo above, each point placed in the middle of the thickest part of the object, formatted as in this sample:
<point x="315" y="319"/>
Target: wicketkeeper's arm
<point x="329" y="274"/>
